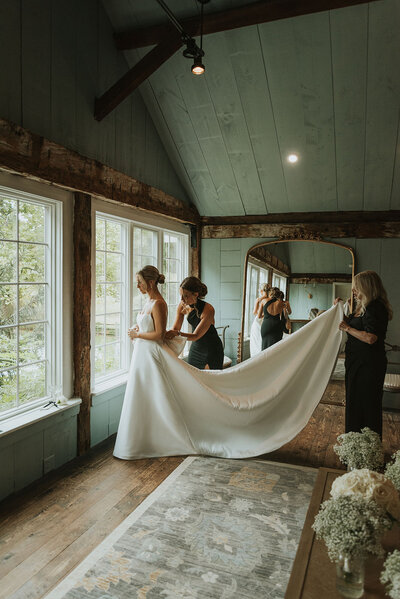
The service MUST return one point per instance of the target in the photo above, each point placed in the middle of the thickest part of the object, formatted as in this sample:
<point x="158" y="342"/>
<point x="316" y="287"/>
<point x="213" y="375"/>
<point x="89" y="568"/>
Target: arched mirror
<point x="310" y="273"/>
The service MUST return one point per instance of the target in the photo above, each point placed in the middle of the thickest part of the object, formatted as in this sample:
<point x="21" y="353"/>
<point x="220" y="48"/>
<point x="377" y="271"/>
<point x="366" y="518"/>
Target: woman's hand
<point x="171" y="334"/>
<point x="343" y="326"/>
<point x="133" y="333"/>
<point x="337" y="300"/>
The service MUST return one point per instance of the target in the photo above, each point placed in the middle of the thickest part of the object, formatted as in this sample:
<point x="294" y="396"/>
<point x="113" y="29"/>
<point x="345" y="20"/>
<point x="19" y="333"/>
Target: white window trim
<point x="141" y="219"/>
<point x="55" y="299"/>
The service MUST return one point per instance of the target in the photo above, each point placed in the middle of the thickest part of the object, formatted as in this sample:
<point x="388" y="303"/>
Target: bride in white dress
<point x="172" y="408"/>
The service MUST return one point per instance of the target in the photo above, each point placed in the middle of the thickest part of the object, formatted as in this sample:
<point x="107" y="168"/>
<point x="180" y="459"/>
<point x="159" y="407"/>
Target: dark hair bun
<point x="203" y="290"/>
<point x="194" y="285"/>
<point x="161" y="279"/>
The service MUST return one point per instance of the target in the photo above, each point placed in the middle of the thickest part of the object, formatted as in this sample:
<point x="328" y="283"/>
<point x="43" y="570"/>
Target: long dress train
<point x="172" y="408"/>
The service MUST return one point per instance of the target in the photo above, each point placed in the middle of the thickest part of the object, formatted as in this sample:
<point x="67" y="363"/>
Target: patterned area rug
<point x="214" y="529"/>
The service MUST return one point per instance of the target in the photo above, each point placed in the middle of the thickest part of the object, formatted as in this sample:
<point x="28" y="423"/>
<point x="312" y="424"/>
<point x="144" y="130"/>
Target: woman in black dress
<point x="272" y="309"/>
<point x="365" y="361"/>
<point x="206" y="347"/>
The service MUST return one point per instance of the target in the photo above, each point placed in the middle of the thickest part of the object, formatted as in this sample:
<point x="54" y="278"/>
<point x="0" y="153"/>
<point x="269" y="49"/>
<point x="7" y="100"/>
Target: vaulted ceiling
<point x="325" y="86"/>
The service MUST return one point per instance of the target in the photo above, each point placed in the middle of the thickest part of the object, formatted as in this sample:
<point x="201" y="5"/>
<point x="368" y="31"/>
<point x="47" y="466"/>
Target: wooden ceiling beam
<point x="135" y="76"/>
<point x="354" y="216"/>
<point x="242" y="16"/>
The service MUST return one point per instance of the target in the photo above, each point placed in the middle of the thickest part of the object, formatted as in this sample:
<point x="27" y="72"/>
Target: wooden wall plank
<point x="383" y="94"/>
<point x="81" y="317"/>
<point x="229" y="110"/>
<point x="349" y="31"/>
<point x="251" y="79"/>
<point x="36" y="65"/>
<point x="298" y="64"/>
<point x="10" y="60"/>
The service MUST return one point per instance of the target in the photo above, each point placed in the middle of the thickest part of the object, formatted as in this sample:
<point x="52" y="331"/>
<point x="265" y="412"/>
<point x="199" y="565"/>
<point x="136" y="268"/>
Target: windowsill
<point x="110" y="384"/>
<point x="27" y="418"/>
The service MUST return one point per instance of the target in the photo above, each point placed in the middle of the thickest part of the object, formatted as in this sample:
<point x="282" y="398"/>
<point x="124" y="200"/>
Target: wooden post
<point x="81" y="318"/>
<point x="195" y="251"/>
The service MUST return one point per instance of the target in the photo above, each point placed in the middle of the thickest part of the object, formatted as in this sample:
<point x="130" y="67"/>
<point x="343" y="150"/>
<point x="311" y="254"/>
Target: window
<point x="123" y="247"/>
<point x="256" y="276"/>
<point x="279" y="281"/>
<point x="30" y="300"/>
<point x="110" y="307"/>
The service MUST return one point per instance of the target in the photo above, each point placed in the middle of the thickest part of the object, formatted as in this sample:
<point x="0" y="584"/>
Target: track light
<point x="198" y="67"/>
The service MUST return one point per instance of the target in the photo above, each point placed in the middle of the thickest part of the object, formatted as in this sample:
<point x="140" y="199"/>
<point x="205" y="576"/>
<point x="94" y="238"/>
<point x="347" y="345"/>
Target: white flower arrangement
<point x="370" y="485"/>
<point x="360" y="450"/>
<point x="390" y="575"/>
<point x="351" y="525"/>
<point x="392" y="470"/>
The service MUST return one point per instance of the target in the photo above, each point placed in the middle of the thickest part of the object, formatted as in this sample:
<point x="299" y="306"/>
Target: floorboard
<point x="50" y="527"/>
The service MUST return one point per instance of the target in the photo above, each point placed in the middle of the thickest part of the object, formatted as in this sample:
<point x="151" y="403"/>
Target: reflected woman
<point x="365" y="361"/>
<point x="272" y="311"/>
<point x="206" y="348"/>
<point x="255" y="331"/>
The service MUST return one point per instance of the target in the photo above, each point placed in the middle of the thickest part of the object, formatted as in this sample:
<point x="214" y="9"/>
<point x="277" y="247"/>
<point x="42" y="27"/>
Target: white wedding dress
<point x="255" y="336"/>
<point x="255" y="407"/>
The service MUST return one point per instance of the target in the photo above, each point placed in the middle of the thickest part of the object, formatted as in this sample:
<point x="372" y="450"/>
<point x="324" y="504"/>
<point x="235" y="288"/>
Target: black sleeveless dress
<point x="365" y="370"/>
<point x="271" y="327"/>
<point x="208" y="349"/>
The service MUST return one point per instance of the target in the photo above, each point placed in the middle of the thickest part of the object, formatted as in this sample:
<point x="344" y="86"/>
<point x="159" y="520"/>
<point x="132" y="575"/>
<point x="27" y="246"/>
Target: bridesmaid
<point x="206" y="348"/>
<point x="272" y="308"/>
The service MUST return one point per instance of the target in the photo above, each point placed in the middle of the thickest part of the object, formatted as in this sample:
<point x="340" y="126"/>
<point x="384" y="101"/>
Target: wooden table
<point x="314" y="575"/>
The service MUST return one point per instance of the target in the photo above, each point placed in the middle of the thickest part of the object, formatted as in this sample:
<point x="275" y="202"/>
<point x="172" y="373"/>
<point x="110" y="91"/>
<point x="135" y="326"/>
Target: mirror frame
<point x="284" y="240"/>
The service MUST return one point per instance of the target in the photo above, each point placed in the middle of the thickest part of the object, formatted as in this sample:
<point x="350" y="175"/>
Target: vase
<point x="350" y="576"/>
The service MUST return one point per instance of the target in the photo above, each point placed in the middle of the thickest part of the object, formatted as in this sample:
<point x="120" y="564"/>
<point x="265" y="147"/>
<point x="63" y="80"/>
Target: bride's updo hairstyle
<point x="194" y="285"/>
<point x="151" y="273"/>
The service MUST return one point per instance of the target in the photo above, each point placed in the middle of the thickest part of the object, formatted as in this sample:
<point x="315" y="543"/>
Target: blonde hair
<point x="151" y="273"/>
<point x="369" y="286"/>
<point x="265" y="287"/>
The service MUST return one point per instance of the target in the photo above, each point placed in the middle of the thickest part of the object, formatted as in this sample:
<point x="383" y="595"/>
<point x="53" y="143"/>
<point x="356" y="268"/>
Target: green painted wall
<point x="56" y="57"/>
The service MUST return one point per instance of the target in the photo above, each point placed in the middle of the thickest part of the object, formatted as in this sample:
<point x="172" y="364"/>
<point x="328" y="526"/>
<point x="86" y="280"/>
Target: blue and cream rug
<point x="214" y="529"/>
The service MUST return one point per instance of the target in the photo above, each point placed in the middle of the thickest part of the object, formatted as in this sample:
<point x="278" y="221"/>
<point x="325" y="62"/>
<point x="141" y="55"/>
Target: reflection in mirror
<point x="309" y="273"/>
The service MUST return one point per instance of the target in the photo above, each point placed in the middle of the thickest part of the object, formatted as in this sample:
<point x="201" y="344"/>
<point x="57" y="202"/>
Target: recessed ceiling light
<point x="292" y="158"/>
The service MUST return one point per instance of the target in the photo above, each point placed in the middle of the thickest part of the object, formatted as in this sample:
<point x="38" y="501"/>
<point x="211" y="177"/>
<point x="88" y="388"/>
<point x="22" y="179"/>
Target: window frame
<point x="53" y="297"/>
<point x="157" y="225"/>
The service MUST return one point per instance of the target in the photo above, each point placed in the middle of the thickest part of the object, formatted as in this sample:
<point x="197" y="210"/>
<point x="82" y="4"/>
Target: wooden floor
<point x="48" y="529"/>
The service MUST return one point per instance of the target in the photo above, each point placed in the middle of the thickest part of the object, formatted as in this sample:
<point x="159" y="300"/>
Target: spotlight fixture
<point x="292" y="158"/>
<point x="192" y="50"/>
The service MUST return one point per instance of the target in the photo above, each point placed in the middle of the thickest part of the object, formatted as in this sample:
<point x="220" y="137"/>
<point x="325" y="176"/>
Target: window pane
<point x="100" y="266"/>
<point x="32" y="382"/>
<point x="31" y="222"/>
<point x="99" y="360"/>
<point x="31" y="263"/>
<point x="113" y="297"/>
<point x="8" y="219"/>
<point x="112" y="357"/>
<point x="8" y="347"/>
<point x="113" y="267"/>
<point x="31" y="303"/>
<point x="113" y="236"/>
<point x="31" y="343"/>
<point x="113" y="327"/>
<point x="174" y="271"/>
<point x="100" y="234"/>
<point x="100" y="299"/>
<point x="8" y="304"/>
<point x="8" y="389"/>
<point x="147" y="248"/>
<point x="8" y="261"/>
<point x="99" y="340"/>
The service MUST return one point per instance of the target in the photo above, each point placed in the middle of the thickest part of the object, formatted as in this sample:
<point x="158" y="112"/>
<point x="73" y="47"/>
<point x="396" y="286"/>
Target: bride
<point x="172" y="408"/>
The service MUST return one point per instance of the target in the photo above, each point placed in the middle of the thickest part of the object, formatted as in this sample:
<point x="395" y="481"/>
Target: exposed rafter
<point x="166" y="40"/>
<point x="234" y="18"/>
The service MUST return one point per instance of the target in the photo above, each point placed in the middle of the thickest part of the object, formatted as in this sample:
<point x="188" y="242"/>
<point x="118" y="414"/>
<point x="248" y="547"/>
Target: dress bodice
<point x="144" y="319"/>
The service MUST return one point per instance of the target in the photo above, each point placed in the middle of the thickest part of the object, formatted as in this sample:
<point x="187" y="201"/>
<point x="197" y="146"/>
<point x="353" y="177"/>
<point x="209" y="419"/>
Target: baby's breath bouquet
<point x="360" y="450"/>
<point x="392" y="470"/>
<point x="351" y="525"/>
<point x="390" y="575"/>
<point x="370" y="485"/>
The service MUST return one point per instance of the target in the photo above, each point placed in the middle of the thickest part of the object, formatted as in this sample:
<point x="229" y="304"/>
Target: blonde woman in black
<point x="206" y="347"/>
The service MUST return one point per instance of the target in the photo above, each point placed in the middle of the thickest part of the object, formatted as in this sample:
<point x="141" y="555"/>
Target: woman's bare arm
<point x="363" y="336"/>
<point x="206" y="320"/>
<point x="178" y="322"/>
<point x="256" y="306"/>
